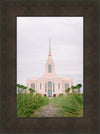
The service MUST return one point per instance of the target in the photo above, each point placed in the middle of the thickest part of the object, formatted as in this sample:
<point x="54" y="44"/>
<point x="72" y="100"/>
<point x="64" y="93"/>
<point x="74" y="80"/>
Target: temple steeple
<point x="49" y="66"/>
<point x="49" y="53"/>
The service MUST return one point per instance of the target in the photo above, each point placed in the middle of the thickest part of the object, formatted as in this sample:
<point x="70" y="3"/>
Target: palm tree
<point x="18" y="85"/>
<point x="25" y="89"/>
<point x="78" y="86"/>
<point x="67" y="90"/>
<point x="21" y="86"/>
<point x="31" y="90"/>
<point x="73" y="87"/>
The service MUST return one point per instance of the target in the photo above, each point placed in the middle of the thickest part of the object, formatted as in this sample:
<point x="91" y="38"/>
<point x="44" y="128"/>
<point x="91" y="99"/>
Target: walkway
<point x="47" y="111"/>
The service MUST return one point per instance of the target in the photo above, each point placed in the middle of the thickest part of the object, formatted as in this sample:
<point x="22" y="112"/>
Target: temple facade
<point x="49" y="84"/>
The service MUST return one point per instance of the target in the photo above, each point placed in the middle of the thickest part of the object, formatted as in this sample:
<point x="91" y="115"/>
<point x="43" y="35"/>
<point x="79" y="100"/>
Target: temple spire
<point x="49" y="54"/>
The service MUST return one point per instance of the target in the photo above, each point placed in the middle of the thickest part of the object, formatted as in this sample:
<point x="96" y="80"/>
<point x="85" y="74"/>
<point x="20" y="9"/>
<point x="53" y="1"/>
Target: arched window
<point x="49" y="84"/>
<point x="40" y="85"/>
<point x="58" y="85"/>
<point x="53" y="87"/>
<point x="45" y="87"/>
<point x="66" y="86"/>
<point x="33" y="86"/>
<point x="49" y="68"/>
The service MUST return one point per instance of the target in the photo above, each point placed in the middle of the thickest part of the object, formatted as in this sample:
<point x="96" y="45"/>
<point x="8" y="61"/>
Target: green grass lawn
<point x="27" y="104"/>
<point x="69" y="105"/>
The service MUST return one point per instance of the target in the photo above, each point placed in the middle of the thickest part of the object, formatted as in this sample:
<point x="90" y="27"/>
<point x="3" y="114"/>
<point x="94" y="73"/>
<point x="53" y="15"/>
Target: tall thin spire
<point x="49" y="44"/>
<point x="49" y="54"/>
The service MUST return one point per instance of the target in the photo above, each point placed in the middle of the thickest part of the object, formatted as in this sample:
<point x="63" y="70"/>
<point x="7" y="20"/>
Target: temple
<point x="49" y="84"/>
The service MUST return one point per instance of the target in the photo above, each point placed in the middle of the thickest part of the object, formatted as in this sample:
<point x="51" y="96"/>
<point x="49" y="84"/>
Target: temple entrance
<point x="49" y="89"/>
<point x="49" y="93"/>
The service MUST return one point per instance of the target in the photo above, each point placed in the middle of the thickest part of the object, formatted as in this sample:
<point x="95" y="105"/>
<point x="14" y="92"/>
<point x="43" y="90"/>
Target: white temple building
<point x="49" y="84"/>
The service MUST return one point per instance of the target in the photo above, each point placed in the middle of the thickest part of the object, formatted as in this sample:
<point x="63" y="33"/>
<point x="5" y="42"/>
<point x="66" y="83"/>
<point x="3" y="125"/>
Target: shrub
<point x="61" y="94"/>
<point x="31" y="90"/>
<point x="67" y="90"/>
<point x="76" y="88"/>
<point x="70" y="105"/>
<point x="27" y="104"/>
<point x="21" y="88"/>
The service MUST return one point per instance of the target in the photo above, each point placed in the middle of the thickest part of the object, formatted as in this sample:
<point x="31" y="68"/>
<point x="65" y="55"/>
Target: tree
<point x="67" y="90"/>
<point x="21" y="88"/>
<point x="25" y="89"/>
<point x="18" y="85"/>
<point x="73" y="87"/>
<point x="78" y="86"/>
<point x="31" y="90"/>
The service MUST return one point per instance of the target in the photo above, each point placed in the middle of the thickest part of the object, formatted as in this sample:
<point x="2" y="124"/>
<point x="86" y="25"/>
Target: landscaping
<point x="35" y="105"/>
<point x="28" y="104"/>
<point x="70" y="105"/>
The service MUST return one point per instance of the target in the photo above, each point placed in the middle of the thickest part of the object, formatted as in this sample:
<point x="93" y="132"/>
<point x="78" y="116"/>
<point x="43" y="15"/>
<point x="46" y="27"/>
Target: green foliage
<point x="70" y="105"/>
<point x="21" y="88"/>
<point x="37" y="94"/>
<point x="61" y="94"/>
<point x="78" y="86"/>
<point x="18" y="85"/>
<point x="25" y="87"/>
<point x="31" y="90"/>
<point x="73" y="87"/>
<point x="67" y="90"/>
<point x="27" y="104"/>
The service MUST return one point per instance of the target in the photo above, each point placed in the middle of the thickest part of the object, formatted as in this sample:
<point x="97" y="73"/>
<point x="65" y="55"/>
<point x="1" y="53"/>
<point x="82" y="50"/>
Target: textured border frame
<point x="10" y="10"/>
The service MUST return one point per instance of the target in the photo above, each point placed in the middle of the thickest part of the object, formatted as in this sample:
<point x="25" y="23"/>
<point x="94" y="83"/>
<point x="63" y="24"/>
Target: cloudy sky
<point x="66" y="45"/>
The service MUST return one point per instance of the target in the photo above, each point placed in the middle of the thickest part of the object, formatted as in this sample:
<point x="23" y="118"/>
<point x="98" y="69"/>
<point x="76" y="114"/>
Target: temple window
<point x="53" y="87"/>
<point x="49" y="84"/>
<point x="33" y="86"/>
<point x="40" y="85"/>
<point x="45" y="87"/>
<point x="66" y="86"/>
<point x="49" y="68"/>
<point x="58" y="85"/>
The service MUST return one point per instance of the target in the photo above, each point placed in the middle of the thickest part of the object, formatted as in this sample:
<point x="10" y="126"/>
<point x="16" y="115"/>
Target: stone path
<point x="47" y="111"/>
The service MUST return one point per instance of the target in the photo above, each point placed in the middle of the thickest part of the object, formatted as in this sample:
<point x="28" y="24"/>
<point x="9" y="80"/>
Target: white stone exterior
<point x="49" y="84"/>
